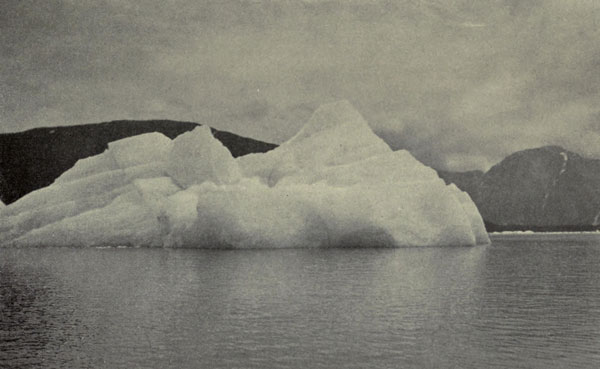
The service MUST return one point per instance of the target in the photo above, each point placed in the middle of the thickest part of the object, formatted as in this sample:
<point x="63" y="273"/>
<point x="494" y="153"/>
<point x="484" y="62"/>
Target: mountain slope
<point x="546" y="188"/>
<point x="33" y="159"/>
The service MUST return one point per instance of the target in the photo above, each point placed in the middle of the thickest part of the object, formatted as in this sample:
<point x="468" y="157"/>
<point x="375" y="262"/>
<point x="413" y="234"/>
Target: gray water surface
<point x="522" y="302"/>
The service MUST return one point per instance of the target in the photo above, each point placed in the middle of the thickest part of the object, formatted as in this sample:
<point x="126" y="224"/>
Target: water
<point x="522" y="302"/>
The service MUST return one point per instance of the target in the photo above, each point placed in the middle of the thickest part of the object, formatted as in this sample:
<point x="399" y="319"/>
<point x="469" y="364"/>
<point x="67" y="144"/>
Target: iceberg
<point x="334" y="184"/>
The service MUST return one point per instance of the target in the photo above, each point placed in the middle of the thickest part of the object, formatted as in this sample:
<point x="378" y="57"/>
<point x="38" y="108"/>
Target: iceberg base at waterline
<point x="334" y="184"/>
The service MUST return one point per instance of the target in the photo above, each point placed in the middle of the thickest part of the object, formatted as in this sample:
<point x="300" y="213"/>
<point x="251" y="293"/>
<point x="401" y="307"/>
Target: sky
<point x="461" y="84"/>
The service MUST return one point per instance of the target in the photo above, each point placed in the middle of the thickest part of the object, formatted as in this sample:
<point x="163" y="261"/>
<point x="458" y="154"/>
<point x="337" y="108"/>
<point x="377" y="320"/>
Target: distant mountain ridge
<point x="33" y="159"/>
<point x="546" y="188"/>
<point x="543" y="189"/>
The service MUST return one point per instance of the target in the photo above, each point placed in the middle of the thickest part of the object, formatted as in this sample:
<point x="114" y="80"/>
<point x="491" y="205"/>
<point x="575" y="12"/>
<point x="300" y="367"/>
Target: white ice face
<point x="333" y="184"/>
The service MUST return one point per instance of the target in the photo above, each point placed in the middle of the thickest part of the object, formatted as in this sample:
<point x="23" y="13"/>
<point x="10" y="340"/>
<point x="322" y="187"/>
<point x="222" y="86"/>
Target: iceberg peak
<point x="331" y="116"/>
<point x="336" y="134"/>
<point x="197" y="157"/>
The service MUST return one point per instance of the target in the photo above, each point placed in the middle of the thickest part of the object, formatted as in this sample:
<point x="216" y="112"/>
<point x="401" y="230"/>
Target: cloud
<point x="473" y="25"/>
<point x="459" y="83"/>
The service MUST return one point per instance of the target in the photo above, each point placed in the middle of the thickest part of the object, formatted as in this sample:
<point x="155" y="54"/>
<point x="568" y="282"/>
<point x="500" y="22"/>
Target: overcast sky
<point x="459" y="83"/>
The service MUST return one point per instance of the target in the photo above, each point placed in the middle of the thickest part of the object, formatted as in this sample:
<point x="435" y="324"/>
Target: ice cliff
<point x="335" y="183"/>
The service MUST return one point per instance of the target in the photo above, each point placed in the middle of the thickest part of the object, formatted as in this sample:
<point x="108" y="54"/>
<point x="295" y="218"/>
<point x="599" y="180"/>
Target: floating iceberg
<point x="335" y="183"/>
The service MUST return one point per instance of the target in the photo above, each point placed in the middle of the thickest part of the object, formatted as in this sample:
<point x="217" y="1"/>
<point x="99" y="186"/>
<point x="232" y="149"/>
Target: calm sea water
<point x="522" y="302"/>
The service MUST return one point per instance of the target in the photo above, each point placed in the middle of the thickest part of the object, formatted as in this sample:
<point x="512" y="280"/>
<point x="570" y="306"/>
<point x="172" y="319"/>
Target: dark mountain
<point x="33" y="159"/>
<point x="547" y="188"/>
